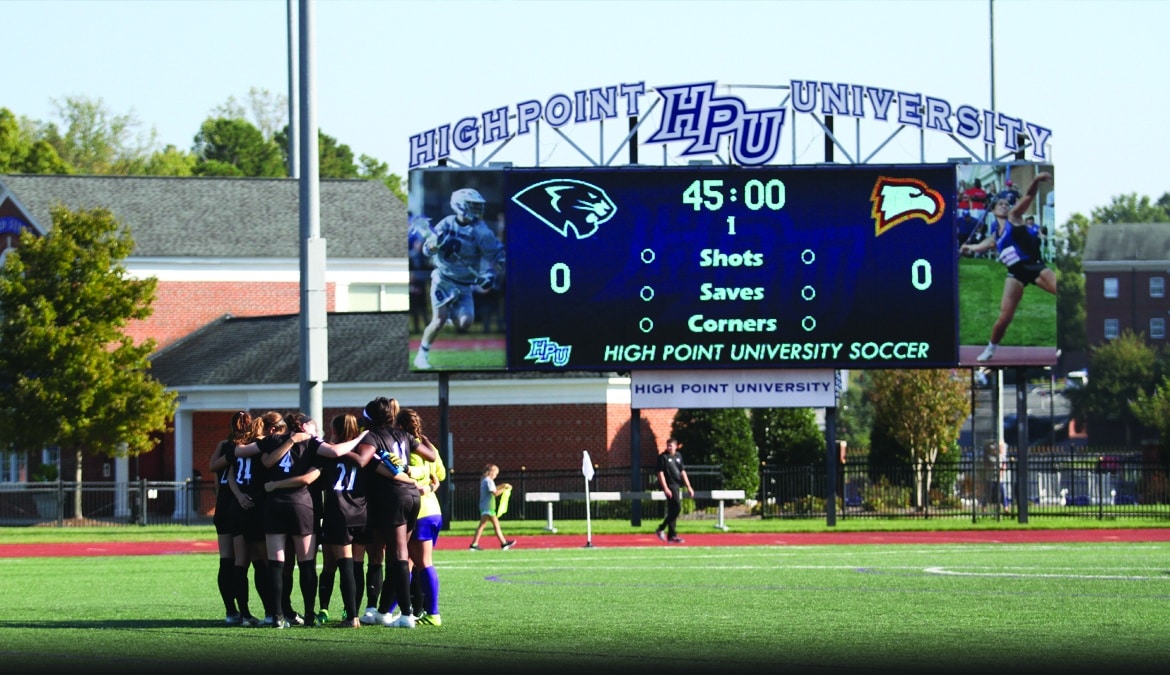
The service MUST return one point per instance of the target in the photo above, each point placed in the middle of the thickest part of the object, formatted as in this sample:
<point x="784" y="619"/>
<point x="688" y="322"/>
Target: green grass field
<point x="905" y="608"/>
<point x="980" y="290"/>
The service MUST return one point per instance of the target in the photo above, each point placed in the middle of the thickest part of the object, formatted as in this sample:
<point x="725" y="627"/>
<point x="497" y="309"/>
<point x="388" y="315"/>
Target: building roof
<point x="1127" y="242"/>
<point x="226" y="217"/>
<point x="364" y="347"/>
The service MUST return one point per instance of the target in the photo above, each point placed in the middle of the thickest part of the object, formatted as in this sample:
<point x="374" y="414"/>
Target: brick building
<point x="1126" y="269"/>
<point x="226" y="254"/>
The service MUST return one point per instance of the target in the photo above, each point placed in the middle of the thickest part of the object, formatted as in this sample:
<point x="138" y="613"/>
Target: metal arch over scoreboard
<point x="734" y="263"/>
<point x="778" y="267"/>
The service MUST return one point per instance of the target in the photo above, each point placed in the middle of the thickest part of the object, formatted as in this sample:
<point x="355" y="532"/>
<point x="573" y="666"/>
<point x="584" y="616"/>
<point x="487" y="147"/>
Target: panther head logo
<point x="566" y="204"/>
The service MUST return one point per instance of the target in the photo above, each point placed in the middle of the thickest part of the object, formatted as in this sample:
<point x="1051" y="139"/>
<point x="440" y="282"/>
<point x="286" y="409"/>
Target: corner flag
<point x="586" y="466"/>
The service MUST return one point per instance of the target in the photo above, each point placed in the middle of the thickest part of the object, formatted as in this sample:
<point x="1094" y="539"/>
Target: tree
<point x="788" y="436"/>
<point x="21" y="153"/>
<point x="1070" y="285"/>
<point x="722" y="437"/>
<point x="334" y="160"/>
<point x="1153" y="410"/>
<point x="269" y="111"/>
<point x="372" y="168"/>
<point x="855" y="412"/>
<point x="1121" y="370"/>
<point x="96" y="140"/>
<point x="170" y="161"/>
<point x="923" y="411"/>
<point x="1131" y="208"/>
<point x="226" y="147"/>
<point x="69" y="374"/>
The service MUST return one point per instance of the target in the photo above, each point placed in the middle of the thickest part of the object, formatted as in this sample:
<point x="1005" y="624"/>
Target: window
<point x="1111" y="329"/>
<point x="1157" y="287"/>
<point x="377" y="298"/>
<point x="1158" y="328"/>
<point x="1111" y="287"/>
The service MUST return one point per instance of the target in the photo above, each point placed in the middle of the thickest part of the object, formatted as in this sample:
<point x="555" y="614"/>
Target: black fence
<point x="1058" y="485"/>
<point x="107" y="503"/>
<point x="1116" y="485"/>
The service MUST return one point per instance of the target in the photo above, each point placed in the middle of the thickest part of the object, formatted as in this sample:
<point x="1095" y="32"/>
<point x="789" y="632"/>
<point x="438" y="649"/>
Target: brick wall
<point x="537" y="437"/>
<point x="181" y="307"/>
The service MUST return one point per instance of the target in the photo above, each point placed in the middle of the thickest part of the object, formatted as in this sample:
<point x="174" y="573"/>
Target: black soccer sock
<point x="416" y="590"/>
<point x="276" y="587"/>
<point x="261" y="581"/>
<point x="400" y="577"/>
<point x="359" y="585"/>
<point x="386" y="598"/>
<point x="240" y="573"/>
<point x="308" y="579"/>
<point x="349" y="587"/>
<point x="374" y="583"/>
<point x="325" y="586"/>
<point x="225" y="580"/>
<point x="286" y="595"/>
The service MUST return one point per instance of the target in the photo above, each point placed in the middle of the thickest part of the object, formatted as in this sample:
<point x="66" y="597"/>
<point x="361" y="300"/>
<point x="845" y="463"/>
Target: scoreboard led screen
<point x="637" y="268"/>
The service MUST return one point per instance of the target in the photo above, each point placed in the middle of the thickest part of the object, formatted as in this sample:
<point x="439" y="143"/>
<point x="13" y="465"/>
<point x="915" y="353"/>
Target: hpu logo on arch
<point x="698" y="114"/>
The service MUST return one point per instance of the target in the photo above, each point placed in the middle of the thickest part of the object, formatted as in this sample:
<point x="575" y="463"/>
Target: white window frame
<point x="1111" y="287"/>
<point x="1157" y="287"/>
<point x="1112" y="329"/>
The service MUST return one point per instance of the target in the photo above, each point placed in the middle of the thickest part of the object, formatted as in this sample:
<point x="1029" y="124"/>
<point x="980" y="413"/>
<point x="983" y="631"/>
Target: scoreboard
<point x="637" y="268"/>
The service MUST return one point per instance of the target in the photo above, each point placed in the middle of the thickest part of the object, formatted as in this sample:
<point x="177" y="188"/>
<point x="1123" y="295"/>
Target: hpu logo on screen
<point x="566" y="204"/>
<point x="693" y="112"/>
<point x="544" y="350"/>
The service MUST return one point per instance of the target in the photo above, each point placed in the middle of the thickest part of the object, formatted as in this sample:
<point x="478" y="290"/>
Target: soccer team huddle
<point x="367" y="495"/>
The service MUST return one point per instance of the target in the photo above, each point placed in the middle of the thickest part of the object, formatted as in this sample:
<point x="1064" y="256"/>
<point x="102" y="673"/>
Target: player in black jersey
<point x="344" y="512"/>
<point x="232" y="579"/>
<point x="394" y="504"/>
<point x="288" y="513"/>
<point x="246" y="480"/>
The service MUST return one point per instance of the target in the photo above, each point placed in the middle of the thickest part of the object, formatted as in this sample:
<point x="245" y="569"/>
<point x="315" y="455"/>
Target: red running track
<point x="644" y="539"/>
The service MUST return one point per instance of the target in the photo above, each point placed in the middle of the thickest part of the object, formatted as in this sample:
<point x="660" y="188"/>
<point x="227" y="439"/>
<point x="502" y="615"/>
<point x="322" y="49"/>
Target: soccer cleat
<point x="296" y="620"/>
<point x="279" y="622"/>
<point x="988" y="352"/>
<point x="421" y="360"/>
<point x="508" y="544"/>
<point x="475" y="547"/>
<point x="389" y="618"/>
<point x="350" y="623"/>
<point x="403" y="621"/>
<point x="232" y="619"/>
<point x="676" y="540"/>
<point x="661" y="535"/>
<point x="370" y="616"/>
<point x="322" y="617"/>
<point x="249" y="621"/>
<point x="267" y="620"/>
<point x="429" y="620"/>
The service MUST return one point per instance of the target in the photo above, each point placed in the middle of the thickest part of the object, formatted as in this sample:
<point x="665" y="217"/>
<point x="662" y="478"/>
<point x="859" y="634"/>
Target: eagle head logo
<point x="565" y="205"/>
<point x="896" y="200"/>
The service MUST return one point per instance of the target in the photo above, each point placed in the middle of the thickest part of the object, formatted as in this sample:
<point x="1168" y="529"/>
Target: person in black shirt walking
<point x="672" y="477"/>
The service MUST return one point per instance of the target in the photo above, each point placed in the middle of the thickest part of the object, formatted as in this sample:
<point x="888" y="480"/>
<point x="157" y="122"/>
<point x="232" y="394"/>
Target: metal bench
<point x="550" y="498"/>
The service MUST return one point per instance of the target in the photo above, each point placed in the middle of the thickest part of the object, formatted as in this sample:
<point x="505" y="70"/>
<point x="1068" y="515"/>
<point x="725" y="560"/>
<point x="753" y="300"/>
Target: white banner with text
<point x="733" y="389"/>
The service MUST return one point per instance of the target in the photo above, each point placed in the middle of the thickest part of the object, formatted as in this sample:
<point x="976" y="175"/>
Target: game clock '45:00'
<point x="757" y="194"/>
<point x="785" y="267"/>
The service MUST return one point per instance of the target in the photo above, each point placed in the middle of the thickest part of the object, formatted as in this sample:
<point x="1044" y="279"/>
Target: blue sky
<point x="1090" y="70"/>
